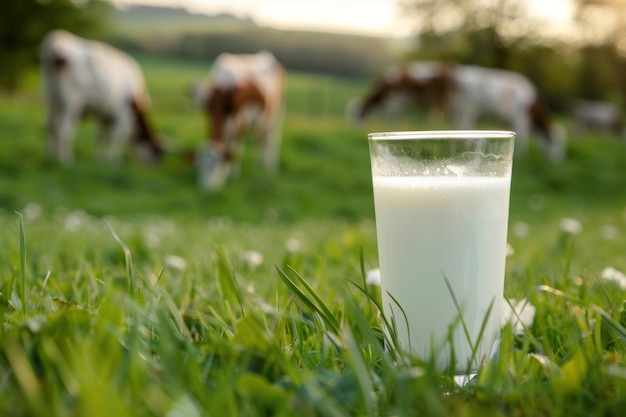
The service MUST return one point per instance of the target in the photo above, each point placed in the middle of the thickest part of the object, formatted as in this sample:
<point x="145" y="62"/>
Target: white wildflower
<point x="156" y="230"/>
<point x="175" y="262"/>
<point x="184" y="406"/>
<point x="548" y="366"/>
<point x="611" y="274"/>
<point x="152" y="236"/>
<point x="252" y="258"/>
<point x="75" y="220"/>
<point x="521" y="229"/>
<point x="293" y="245"/>
<point x="522" y="315"/>
<point x="510" y="250"/>
<point x="32" y="211"/>
<point x="570" y="225"/>
<point x="609" y="232"/>
<point x="373" y="277"/>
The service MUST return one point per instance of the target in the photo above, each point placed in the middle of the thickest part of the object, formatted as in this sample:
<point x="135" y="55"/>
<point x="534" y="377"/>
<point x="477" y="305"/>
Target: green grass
<point x="127" y="291"/>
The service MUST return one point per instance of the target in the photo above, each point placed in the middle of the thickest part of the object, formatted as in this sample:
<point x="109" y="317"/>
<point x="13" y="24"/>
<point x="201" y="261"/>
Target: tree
<point x="603" y="27"/>
<point x="504" y="34"/>
<point x="23" y="24"/>
<point x="488" y="29"/>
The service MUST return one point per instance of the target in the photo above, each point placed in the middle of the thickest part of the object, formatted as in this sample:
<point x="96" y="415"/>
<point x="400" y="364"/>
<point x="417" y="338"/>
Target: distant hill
<point x="177" y="32"/>
<point x="135" y="13"/>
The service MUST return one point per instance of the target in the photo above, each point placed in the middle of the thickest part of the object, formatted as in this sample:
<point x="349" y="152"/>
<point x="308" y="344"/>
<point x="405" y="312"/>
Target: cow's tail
<point x="145" y="134"/>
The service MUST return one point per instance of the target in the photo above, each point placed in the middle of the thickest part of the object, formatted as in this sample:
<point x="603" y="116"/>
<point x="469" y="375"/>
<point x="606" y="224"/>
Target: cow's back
<point x="231" y="71"/>
<point x="89" y="73"/>
<point x="495" y="92"/>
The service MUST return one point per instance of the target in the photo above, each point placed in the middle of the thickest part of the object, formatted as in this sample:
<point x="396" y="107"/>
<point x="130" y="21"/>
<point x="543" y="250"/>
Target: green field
<point x="127" y="291"/>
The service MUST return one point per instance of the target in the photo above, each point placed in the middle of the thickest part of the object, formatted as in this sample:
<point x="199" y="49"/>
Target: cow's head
<point x="147" y="144"/>
<point x="213" y="166"/>
<point x="431" y="89"/>
<point x="553" y="134"/>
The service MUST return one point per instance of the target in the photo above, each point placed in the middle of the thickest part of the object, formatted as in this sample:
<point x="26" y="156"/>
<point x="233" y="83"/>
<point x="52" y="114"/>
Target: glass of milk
<point x="442" y="206"/>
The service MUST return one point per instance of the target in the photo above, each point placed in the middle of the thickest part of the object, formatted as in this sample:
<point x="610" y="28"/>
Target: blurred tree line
<point x="24" y="23"/>
<point x="590" y="64"/>
<point x="342" y="55"/>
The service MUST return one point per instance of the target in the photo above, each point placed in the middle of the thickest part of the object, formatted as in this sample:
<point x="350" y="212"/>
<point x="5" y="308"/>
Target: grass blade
<point x="227" y="280"/>
<point x="319" y="307"/>
<point x="22" y="265"/>
<point x="458" y="309"/>
<point x="320" y="303"/>
<point x="128" y="259"/>
<point x="606" y="318"/>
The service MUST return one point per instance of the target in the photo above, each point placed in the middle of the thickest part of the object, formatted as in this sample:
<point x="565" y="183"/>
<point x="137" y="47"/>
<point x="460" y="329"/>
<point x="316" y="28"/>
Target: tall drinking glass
<point x="442" y="206"/>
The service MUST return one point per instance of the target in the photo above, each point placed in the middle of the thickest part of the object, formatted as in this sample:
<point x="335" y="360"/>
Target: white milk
<point x="429" y="228"/>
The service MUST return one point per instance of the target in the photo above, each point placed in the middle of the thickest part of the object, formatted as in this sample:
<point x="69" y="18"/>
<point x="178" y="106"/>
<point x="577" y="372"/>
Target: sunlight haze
<point x="365" y="17"/>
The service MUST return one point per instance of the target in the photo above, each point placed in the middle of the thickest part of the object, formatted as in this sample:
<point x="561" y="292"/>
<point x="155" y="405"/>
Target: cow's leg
<point x="271" y="149"/>
<point x="558" y="143"/>
<point x="63" y="127"/>
<point x="271" y="144"/>
<point x="102" y="138"/>
<point x="522" y="126"/>
<point x="235" y="135"/>
<point x="121" y="130"/>
<point x="463" y="113"/>
<point x="53" y="130"/>
<point x="213" y="168"/>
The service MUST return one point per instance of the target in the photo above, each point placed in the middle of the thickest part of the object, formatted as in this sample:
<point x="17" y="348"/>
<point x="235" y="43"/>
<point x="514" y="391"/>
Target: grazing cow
<point x="425" y="83"/>
<point x="87" y="78"/>
<point x="243" y="93"/>
<point x="470" y="93"/>
<point x="590" y="114"/>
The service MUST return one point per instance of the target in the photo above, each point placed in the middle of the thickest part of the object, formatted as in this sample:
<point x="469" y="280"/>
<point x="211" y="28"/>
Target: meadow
<point x="125" y="290"/>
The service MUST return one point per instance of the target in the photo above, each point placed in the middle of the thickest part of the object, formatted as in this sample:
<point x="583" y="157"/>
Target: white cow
<point x="467" y="94"/>
<point x="508" y="97"/>
<point x="594" y="114"/>
<point x="244" y="92"/>
<point x="86" y="78"/>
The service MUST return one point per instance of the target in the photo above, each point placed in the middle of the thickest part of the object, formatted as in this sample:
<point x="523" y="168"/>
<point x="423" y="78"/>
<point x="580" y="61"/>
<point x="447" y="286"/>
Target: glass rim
<point x="442" y="134"/>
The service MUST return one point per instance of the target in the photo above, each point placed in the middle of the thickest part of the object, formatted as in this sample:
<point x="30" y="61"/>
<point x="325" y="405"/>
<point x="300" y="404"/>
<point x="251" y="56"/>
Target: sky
<point x="365" y="17"/>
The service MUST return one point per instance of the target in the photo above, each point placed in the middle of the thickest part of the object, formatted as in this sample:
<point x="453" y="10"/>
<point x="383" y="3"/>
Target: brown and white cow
<point x="83" y="78"/>
<point x="468" y="94"/>
<point x="244" y="93"/>
<point x="425" y="83"/>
